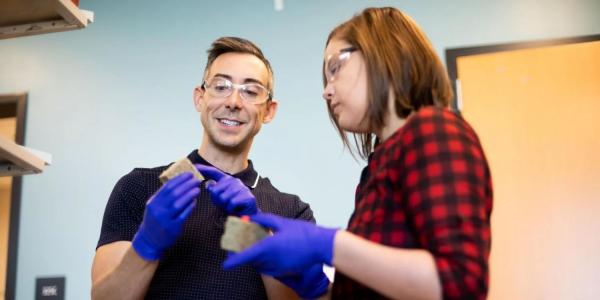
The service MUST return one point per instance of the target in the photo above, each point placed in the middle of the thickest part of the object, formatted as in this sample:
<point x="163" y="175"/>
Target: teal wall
<point x="118" y="95"/>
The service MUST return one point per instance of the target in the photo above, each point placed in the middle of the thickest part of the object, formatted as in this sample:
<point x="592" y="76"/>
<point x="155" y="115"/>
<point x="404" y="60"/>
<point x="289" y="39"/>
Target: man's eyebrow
<point x="252" y="80"/>
<point x="246" y="80"/>
<point x="223" y="75"/>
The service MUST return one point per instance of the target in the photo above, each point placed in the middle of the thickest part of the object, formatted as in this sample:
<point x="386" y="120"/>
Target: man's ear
<point x="198" y="97"/>
<point x="270" y="111"/>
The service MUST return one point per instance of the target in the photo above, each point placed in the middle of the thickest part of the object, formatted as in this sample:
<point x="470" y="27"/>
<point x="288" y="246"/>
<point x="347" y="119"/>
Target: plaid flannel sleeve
<point x="448" y="187"/>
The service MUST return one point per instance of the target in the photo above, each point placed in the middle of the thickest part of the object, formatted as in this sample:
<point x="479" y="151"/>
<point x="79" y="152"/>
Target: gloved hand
<point x="229" y="193"/>
<point x="294" y="247"/>
<point x="165" y="213"/>
<point x="310" y="284"/>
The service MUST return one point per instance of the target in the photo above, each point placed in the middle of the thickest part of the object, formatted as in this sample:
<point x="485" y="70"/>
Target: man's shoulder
<point x="272" y="200"/>
<point x="143" y="172"/>
<point x="264" y="185"/>
<point x="141" y="177"/>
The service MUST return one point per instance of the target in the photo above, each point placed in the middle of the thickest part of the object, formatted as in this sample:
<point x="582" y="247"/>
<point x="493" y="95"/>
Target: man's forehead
<point x="240" y="67"/>
<point x="232" y="79"/>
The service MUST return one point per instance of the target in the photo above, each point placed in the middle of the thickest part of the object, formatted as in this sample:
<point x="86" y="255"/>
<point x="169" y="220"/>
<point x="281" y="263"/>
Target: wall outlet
<point x="50" y="288"/>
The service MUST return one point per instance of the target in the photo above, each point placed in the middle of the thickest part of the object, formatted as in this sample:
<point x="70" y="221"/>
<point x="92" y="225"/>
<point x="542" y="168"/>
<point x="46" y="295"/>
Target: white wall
<point x="118" y="95"/>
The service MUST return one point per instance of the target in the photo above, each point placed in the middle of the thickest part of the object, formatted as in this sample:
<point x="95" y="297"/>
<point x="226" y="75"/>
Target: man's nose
<point x="234" y="100"/>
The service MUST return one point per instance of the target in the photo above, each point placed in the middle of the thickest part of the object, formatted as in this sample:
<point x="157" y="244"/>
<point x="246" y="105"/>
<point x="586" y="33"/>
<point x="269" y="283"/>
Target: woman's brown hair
<point x="399" y="56"/>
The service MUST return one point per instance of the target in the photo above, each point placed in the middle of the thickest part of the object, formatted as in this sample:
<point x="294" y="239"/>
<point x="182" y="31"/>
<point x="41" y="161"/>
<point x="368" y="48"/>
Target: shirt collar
<point x="248" y="176"/>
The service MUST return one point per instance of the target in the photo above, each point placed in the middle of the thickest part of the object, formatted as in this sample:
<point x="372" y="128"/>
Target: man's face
<point x="230" y="123"/>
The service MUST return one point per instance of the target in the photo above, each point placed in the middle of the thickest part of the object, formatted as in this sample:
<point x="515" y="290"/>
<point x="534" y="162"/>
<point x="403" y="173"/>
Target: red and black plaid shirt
<point x="429" y="187"/>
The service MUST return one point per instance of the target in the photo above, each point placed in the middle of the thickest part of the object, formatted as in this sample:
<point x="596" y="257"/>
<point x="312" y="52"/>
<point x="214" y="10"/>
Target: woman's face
<point x="346" y="89"/>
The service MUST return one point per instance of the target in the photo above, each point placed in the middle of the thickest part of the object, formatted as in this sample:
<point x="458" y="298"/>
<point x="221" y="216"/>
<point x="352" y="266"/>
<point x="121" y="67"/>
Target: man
<point x="163" y="242"/>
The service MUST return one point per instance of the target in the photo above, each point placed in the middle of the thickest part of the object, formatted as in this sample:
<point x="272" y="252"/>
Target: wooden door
<point x="12" y="127"/>
<point x="7" y="130"/>
<point x="537" y="112"/>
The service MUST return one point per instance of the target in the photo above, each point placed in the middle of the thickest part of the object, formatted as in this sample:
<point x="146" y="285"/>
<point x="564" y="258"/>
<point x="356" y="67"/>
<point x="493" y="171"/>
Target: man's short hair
<point x="238" y="45"/>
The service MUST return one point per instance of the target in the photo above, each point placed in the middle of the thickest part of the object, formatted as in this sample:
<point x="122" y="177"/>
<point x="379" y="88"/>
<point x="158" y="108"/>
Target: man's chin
<point x="237" y="143"/>
<point x="230" y="146"/>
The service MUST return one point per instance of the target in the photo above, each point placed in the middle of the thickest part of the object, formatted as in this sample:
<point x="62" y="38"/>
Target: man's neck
<point x="230" y="162"/>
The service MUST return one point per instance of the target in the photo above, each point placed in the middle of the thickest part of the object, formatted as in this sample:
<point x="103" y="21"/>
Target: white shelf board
<point x="29" y="17"/>
<point x="16" y="160"/>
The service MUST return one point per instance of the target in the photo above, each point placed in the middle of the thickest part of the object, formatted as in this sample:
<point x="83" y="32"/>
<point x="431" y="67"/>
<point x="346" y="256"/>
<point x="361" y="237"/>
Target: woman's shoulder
<point x="433" y="120"/>
<point x="434" y="114"/>
<point x="428" y="124"/>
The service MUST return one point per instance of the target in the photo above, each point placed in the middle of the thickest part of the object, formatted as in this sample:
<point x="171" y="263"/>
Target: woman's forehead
<point x="335" y="45"/>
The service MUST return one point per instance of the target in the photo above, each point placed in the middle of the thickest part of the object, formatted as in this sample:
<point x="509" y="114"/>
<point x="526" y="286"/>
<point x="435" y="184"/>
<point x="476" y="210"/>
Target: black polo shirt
<point x="192" y="268"/>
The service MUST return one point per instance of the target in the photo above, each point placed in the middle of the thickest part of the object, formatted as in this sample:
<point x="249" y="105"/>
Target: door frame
<point x="452" y="54"/>
<point x="14" y="105"/>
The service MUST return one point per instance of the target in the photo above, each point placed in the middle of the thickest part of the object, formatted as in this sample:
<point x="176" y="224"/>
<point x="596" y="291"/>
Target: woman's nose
<point x="328" y="91"/>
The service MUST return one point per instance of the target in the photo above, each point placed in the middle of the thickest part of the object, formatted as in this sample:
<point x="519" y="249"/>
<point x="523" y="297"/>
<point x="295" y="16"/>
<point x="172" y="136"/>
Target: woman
<point x="421" y="223"/>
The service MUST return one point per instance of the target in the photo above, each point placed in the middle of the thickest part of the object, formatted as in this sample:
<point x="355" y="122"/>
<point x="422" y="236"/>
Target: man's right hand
<point x="165" y="214"/>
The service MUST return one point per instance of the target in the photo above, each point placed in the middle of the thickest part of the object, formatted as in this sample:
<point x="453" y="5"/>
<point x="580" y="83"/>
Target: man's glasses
<point x="335" y="62"/>
<point x="251" y="92"/>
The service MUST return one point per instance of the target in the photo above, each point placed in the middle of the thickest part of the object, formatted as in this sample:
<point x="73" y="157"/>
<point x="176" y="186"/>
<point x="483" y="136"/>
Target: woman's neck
<point x="392" y="124"/>
<point x="392" y="121"/>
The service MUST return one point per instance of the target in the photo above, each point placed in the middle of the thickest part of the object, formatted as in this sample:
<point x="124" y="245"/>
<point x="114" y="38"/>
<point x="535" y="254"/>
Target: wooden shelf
<point x="29" y="17"/>
<point x="16" y="160"/>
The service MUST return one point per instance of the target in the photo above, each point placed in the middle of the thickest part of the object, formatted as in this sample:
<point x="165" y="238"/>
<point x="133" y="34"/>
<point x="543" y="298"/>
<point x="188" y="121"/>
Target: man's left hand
<point x="229" y="193"/>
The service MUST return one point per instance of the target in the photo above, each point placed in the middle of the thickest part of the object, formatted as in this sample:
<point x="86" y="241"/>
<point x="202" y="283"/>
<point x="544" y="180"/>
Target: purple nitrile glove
<point x="229" y="193"/>
<point x="295" y="246"/>
<point x="165" y="214"/>
<point x="310" y="284"/>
